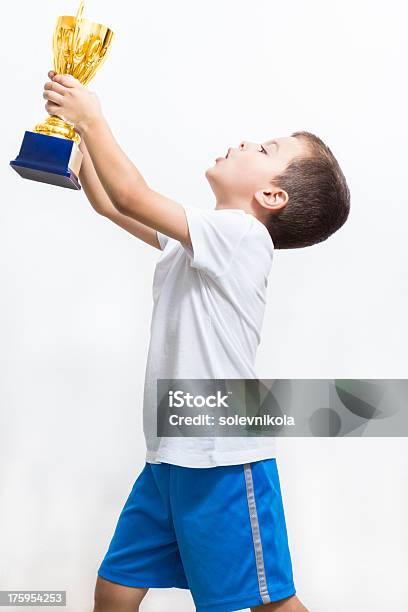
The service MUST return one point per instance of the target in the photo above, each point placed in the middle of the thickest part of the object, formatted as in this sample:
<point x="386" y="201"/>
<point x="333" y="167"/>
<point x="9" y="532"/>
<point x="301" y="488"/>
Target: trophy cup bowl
<point x="50" y="153"/>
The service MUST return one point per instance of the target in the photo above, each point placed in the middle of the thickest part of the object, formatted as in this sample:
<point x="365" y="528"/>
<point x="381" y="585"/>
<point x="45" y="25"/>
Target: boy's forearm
<point x="117" y="174"/>
<point x="92" y="186"/>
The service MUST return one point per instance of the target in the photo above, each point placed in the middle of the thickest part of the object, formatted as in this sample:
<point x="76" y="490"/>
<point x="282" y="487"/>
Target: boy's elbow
<point x="129" y="203"/>
<point x="120" y="205"/>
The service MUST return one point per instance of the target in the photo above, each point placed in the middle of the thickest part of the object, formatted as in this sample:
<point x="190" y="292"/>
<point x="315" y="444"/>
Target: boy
<point x="206" y="514"/>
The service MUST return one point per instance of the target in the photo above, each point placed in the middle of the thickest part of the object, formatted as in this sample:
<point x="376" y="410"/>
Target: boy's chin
<point x="211" y="176"/>
<point x="212" y="181"/>
<point x="211" y="171"/>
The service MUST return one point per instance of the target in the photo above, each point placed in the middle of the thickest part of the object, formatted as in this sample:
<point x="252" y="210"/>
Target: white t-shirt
<point x="208" y="310"/>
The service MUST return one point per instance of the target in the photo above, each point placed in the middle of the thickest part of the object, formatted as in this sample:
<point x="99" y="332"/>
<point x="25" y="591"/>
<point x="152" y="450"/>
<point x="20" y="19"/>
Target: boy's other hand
<point x="69" y="99"/>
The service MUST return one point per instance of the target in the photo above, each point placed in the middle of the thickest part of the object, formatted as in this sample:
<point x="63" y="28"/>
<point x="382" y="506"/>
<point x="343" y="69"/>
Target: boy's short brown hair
<point x="319" y="198"/>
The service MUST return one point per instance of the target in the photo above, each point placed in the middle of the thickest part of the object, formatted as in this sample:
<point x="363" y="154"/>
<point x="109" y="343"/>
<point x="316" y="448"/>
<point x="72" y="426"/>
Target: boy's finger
<point x="68" y="80"/>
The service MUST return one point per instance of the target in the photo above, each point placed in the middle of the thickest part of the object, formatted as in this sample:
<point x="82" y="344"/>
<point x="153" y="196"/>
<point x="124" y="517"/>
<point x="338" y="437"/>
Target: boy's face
<point x="248" y="169"/>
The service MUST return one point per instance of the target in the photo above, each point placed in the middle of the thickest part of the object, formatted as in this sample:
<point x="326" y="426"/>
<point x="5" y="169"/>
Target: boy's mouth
<point x="226" y="157"/>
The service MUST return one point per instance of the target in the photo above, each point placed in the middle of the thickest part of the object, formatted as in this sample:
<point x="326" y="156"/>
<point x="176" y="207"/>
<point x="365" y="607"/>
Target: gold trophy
<point x="50" y="153"/>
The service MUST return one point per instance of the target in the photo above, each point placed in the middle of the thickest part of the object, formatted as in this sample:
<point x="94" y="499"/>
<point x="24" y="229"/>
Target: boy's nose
<point x="245" y="145"/>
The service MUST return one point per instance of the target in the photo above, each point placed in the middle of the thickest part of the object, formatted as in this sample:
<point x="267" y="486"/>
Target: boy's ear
<point x="275" y="199"/>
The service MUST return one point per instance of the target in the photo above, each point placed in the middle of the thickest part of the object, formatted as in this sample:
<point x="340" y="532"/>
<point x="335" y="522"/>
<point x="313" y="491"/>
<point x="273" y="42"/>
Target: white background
<point x="183" y="82"/>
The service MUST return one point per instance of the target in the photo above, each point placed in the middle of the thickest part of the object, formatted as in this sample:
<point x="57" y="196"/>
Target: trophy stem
<point x="54" y="126"/>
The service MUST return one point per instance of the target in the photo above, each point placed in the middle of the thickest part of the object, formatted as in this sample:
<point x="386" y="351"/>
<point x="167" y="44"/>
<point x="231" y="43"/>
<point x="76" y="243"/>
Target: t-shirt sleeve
<point x="163" y="239"/>
<point x="215" y="237"/>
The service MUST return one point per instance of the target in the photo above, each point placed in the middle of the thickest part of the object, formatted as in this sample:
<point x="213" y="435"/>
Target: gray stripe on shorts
<point x="253" y="515"/>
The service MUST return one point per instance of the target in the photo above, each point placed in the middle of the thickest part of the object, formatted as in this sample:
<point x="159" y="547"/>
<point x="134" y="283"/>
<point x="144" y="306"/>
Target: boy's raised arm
<point x="124" y="185"/>
<point x="100" y="202"/>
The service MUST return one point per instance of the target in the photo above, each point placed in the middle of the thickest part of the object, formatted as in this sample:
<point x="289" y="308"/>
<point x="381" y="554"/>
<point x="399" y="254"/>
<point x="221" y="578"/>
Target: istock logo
<point x="179" y="399"/>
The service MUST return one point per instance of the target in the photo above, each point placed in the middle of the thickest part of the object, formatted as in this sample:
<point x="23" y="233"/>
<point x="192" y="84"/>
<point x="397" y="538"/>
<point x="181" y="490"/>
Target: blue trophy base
<point x="49" y="159"/>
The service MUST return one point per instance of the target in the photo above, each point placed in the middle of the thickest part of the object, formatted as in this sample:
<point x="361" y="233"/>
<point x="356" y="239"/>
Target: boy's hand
<point x="69" y="99"/>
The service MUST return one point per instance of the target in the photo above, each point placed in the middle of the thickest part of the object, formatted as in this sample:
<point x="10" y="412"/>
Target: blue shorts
<point x="219" y="532"/>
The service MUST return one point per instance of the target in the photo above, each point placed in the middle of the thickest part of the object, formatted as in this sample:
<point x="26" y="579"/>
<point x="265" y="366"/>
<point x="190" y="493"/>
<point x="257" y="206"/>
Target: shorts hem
<point x="141" y="584"/>
<point x="247" y="601"/>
